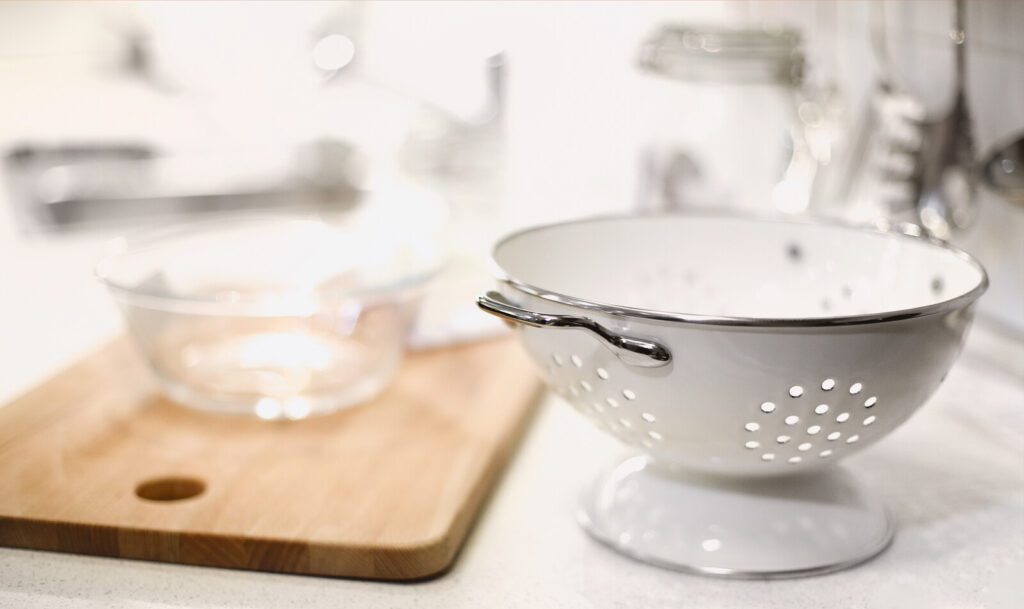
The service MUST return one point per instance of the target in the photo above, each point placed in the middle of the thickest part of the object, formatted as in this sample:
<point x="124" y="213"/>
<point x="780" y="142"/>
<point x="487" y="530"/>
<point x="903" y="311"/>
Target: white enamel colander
<point x="741" y="357"/>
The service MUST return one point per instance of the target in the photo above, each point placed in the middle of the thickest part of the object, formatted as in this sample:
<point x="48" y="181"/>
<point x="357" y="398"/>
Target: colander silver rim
<point x="950" y="304"/>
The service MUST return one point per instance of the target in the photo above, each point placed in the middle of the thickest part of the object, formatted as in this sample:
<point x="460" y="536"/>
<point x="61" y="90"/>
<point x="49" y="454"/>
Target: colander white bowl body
<point x="733" y="347"/>
<point x="747" y="400"/>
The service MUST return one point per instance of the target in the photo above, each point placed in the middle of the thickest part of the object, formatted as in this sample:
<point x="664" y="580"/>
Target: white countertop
<point x="953" y="477"/>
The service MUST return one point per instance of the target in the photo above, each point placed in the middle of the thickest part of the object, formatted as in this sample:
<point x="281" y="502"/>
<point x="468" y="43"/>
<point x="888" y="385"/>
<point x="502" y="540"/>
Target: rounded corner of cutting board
<point x="417" y="560"/>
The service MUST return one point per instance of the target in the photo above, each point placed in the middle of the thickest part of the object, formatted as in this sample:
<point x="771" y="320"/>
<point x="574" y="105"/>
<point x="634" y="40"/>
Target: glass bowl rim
<point x="269" y="302"/>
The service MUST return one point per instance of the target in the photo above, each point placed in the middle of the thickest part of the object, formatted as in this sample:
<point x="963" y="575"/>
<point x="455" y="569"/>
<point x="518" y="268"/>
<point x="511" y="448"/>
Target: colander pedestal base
<point x="768" y="527"/>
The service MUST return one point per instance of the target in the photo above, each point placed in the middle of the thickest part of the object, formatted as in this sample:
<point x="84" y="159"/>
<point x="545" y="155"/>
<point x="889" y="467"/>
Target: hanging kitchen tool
<point x="947" y="182"/>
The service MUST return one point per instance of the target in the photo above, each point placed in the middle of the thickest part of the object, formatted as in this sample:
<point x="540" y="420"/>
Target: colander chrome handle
<point x="633" y="351"/>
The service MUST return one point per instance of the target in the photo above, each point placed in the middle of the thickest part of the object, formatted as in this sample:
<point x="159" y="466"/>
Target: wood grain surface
<point x="384" y="490"/>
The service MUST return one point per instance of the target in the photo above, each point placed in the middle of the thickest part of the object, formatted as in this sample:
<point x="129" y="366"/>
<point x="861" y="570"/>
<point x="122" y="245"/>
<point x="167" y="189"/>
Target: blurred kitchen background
<point x="478" y="118"/>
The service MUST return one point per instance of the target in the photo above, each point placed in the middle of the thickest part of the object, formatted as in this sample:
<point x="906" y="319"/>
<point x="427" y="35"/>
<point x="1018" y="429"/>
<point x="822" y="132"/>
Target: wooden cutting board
<point x="384" y="490"/>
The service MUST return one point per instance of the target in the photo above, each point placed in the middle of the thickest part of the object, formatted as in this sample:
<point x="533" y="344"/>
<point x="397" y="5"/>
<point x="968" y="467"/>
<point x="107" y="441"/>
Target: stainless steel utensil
<point x="947" y="180"/>
<point x="64" y="187"/>
<point x="997" y="238"/>
<point x="1003" y="170"/>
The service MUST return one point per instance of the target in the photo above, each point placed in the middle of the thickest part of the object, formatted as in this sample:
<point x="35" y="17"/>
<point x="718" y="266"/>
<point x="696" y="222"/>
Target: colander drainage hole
<point x="852" y="439"/>
<point x="654" y="435"/>
<point x="835" y="435"/>
<point x="767" y="457"/>
<point x="782" y="439"/>
<point x="753" y="444"/>
<point x="869" y="420"/>
<point x="647" y="417"/>
<point x="796" y="391"/>
<point x="792" y="419"/>
<point x="612" y="402"/>
<point x="576" y="361"/>
<point x="843" y="417"/>
<point x="795" y="459"/>
<point x="174" y="488"/>
<point x="751" y="427"/>
<point x="557" y="359"/>
<point x="603" y="374"/>
<point x="628" y="394"/>
<point x="586" y="386"/>
<point x="855" y="388"/>
<point x="828" y="384"/>
<point x="821" y="409"/>
<point x="768" y="408"/>
<point x="804" y="447"/>
<point x="871" y="401"/>
<point x="813" y="429"/>
<point x="825" y="453"/>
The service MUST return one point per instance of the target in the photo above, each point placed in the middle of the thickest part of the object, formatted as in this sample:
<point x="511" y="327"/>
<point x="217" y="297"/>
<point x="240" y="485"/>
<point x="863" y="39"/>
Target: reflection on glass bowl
<point x="277" y="316"/>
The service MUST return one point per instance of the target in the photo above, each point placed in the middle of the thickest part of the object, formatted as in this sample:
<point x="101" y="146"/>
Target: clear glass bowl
<point x="281" y="317"/>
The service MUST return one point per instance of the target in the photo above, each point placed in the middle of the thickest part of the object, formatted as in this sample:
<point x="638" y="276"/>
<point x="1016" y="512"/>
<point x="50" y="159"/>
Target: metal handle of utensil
<point x="632" y="351"/>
